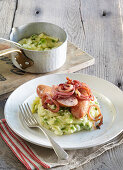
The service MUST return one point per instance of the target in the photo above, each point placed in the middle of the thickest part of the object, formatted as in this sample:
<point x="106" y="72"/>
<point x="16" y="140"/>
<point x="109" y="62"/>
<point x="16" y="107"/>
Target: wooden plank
<point x="7" y="10"/>
<point x="111" y="160"/>
<point x="11" y="77"/>
<point x="103" y="30"/>
<point x="64" y="13"/>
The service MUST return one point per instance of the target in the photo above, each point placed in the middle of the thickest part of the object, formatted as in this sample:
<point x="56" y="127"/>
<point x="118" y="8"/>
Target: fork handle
<point x="58" y="150"/>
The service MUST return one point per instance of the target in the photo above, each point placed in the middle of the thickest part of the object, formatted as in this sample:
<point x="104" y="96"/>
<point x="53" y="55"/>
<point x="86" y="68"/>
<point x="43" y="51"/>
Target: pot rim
<point x="24" y="25"/>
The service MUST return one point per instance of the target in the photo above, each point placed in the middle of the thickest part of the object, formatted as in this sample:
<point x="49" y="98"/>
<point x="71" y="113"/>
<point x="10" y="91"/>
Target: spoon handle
<point x="10" y="41"/>
<point x="8" y="51"/>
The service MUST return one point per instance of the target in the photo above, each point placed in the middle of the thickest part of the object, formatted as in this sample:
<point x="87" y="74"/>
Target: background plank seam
<point x="16" y="7"/>
<point x="81" y="18"/>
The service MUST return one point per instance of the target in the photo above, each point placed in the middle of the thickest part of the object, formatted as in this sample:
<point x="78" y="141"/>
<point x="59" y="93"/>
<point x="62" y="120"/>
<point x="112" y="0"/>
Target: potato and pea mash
<point x="40" y="42"/>
<point x="62" y="122"/>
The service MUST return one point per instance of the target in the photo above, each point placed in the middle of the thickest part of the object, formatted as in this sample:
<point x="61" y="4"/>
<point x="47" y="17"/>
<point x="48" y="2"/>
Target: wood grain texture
<point x="7" y="10"/>
<point x="103" y="30"/>
<point x="96" y="26"/>
<point x="64" y="13"/>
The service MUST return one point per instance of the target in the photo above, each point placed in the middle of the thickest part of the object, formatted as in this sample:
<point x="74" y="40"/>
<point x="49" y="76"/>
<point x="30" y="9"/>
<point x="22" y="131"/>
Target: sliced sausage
<point x="81" y="109"/>
<point x="69" y="102"/>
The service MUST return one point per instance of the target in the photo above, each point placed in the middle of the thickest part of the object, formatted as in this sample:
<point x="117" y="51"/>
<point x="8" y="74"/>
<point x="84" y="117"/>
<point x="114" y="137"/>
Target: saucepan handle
<point x="22" y="61"/>
<point x="9" y="50"/>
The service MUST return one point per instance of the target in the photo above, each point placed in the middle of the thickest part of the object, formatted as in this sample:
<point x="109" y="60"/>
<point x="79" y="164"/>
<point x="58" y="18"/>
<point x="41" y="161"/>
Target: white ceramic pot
<point x="43" y="61"/>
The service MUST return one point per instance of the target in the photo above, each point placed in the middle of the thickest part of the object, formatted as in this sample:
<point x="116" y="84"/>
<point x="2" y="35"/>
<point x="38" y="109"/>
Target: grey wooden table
<point x="96" y="26"/>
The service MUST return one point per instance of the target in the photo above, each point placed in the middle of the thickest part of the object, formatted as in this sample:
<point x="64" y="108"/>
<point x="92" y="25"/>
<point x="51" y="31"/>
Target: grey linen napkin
<point x="76" y="159"/>
<point x="79" y="157"/>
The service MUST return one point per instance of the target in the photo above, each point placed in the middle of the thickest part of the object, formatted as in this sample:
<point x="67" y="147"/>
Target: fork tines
<point x="27" y="114"/>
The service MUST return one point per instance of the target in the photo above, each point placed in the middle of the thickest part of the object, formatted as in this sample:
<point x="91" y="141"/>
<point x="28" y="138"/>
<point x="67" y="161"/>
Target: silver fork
<point x="31" y="122"/>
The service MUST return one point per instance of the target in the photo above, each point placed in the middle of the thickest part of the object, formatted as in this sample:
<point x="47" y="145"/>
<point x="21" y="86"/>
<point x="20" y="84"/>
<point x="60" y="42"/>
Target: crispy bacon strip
<point x="97" y="118"/>
<point x="47" y="99"/>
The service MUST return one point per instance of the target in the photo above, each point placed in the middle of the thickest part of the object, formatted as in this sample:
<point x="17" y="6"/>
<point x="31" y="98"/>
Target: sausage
<point x="81" y="109"/>
<point x="42" y="89"/>
<point x="69" y="102"/>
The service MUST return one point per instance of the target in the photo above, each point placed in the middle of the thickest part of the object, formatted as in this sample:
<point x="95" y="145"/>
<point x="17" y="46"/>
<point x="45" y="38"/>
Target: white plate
<point x="109" y="97"/>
